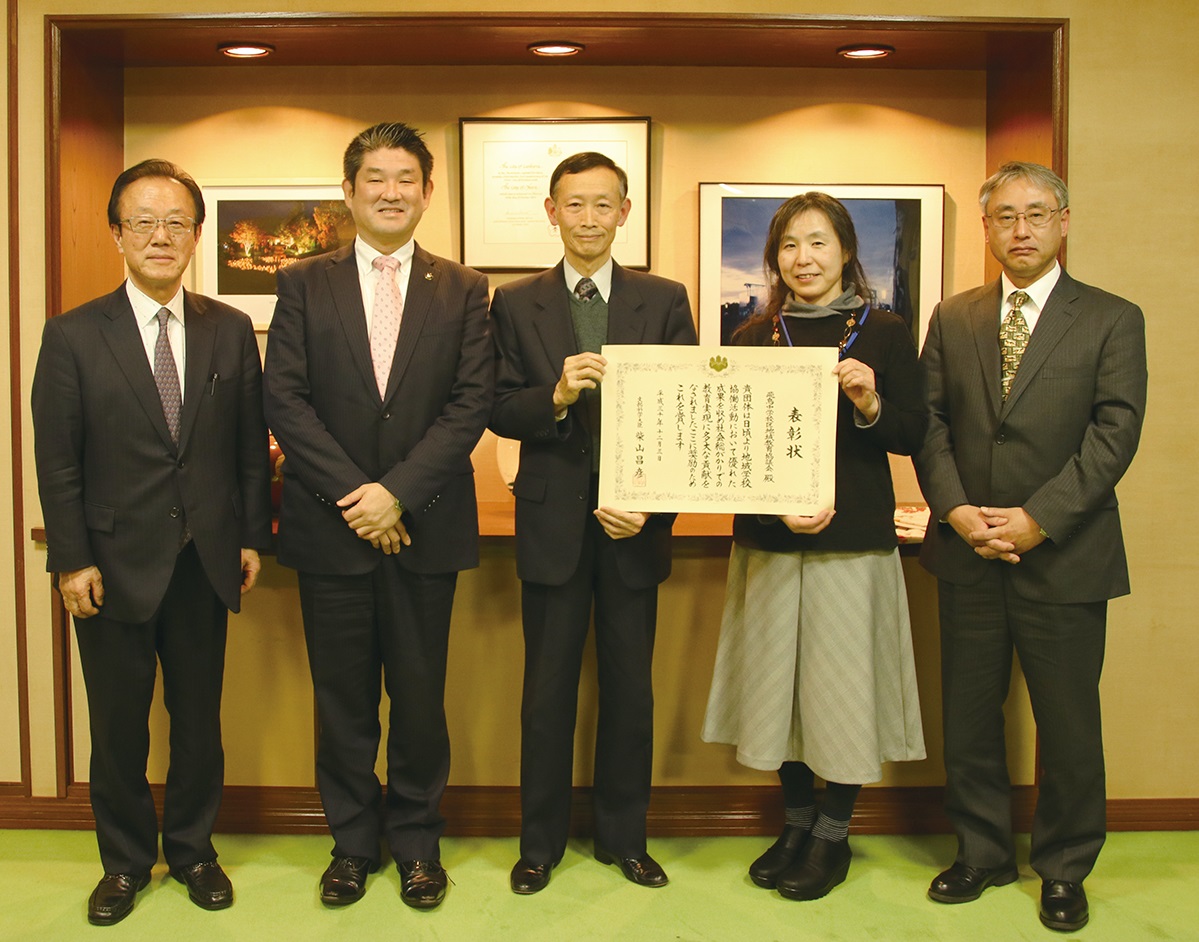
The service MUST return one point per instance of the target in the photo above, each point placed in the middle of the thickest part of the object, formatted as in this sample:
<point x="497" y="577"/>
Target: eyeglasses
<point x="176" y="226"/>
<point x="1036" y="218"/>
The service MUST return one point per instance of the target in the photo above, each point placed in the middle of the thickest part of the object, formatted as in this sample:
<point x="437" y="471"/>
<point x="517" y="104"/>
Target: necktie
<point x="166" y="376"/>
<point x="585" y="289"/>
<point x="385" y="319"/>
<point x="1013" y="339"/>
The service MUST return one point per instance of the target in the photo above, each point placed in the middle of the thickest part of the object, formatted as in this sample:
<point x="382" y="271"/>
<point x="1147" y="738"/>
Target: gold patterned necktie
<point x="1013" y="339"/>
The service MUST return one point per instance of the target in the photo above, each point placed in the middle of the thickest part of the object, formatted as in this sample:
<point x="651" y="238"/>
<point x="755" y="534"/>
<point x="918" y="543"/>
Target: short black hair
<point x="588" y="160"/>
<point x="386" y="136"/>
<point x="154" y="167"/>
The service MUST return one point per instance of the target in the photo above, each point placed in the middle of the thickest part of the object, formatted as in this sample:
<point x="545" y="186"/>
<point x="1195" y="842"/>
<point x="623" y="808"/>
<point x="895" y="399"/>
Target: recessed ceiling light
<point x="245" y="50"/>
<point x="866" y="51"/>
<point x="556" y="48"/>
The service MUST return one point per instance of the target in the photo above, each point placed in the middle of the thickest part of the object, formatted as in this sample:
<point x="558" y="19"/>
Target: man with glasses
<point x="1036" y="392"/>
<point x="152" y="466"/>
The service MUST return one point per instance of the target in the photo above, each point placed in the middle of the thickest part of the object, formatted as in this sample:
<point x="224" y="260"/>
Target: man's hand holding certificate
<point x="719" y="429"/>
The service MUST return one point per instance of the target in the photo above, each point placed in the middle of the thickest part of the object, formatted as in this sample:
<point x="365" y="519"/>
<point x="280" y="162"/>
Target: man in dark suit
<point x="1036" y="389"/>
<point x="569" y="552"/>
<point x="378" y="384"/>
<point x="153" y="471"/>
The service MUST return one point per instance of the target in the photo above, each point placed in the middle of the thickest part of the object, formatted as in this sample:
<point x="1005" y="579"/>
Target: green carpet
<point x="1146" y="887"/>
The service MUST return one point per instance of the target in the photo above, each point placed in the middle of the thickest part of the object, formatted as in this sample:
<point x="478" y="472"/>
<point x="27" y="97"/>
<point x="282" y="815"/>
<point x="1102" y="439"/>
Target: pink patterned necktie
<point x="385" y="319"/>
<point x="1013" y="340"/>
<point x="166" y="376"/>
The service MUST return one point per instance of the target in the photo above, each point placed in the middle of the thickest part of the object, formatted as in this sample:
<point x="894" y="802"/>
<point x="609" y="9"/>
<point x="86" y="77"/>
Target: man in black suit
<point x="569" y="552"/>
<point x="378" y="384"/>
<point x="1036" y="392"/>
<point x="153" y="471"/>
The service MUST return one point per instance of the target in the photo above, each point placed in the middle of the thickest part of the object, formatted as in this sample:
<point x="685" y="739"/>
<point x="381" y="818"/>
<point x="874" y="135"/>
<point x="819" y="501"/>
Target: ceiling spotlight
<point x="866" y="51"/>
<point x="245" y="50"/>
<point x="556" y="49"/>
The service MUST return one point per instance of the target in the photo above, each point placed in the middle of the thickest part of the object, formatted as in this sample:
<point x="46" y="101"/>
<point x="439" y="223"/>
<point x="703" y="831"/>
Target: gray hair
<point x="1020" y="170"/>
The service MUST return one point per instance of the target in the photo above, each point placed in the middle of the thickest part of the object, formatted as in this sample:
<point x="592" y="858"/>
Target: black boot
<point x="781" y="854"/>
<point x="821" y="865"/>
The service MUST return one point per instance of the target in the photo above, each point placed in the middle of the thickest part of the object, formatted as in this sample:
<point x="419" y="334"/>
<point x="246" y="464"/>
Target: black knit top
<point x="865" y="501"/>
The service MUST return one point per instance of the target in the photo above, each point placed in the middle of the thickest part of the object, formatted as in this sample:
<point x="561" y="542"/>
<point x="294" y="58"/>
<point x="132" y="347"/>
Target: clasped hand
<point x="996" y="532"/>
<point x="370" y="511"/>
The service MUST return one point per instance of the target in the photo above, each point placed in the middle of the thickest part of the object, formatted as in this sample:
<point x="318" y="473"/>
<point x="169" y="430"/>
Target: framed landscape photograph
<point x="506" y="167"/>
<point x="900" y="244"/>
<point x="252" y="231"/>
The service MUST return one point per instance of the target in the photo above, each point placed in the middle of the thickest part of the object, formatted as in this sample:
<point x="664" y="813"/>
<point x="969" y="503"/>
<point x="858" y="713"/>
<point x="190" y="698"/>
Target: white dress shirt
<point x="1038" y="293"/>
<point x="145" y="311"/>
<point x="368" y="276"/>
<point x="602" y="278"/>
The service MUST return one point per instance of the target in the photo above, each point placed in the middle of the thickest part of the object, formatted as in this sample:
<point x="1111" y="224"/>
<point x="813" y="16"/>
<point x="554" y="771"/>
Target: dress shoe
<point x="529" y="878"/>
<point x="423" y="883"/>
<point x="112" y="899"/>
<point x="344" y="880"/>
<point x="644" y="871"/>
<point x="962" y="883"/>
<point x="1063" y="905"/>
<point x="207" y="884"/>
<point x="820" y="866"/>
<point x="778" y="857"/>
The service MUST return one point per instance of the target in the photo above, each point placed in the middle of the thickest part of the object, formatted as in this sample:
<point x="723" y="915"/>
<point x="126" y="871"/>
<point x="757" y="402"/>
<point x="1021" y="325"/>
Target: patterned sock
<point x="801" y="817"/>
<point x="830" y="829"/>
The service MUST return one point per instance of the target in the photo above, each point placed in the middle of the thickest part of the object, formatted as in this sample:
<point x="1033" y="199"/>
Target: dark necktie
<point x="166" y="376"/>
<point x="585" y="289"/>
<point x="1013" y="340"/>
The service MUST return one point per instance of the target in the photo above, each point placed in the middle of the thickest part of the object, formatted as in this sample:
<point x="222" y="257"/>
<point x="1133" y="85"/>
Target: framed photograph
<point x="252" y="231"/>
<point x="506" y="167"/>
<point x="900" y="236"/>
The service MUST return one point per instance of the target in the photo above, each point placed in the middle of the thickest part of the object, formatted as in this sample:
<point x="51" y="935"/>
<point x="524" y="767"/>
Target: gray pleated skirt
<point x="815" y="664"/>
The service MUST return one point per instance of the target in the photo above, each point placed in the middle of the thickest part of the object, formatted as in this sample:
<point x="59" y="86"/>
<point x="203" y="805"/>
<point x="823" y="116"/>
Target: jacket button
<point x="386" y="415"/>
<point x="582" y="497"/>
<point x="180" y="464"/>
<point x="174" y="511"/>
<point x="999" y="439"/>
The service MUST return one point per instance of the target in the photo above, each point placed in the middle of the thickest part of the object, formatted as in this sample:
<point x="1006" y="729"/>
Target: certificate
<point x="718" y="429"/>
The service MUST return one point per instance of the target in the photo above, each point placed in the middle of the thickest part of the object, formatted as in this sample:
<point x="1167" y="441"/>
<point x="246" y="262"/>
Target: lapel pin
<point x="428" y="276"/>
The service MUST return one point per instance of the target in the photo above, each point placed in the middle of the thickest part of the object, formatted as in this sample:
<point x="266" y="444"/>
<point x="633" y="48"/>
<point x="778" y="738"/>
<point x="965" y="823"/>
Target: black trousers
<point x="119" y="660"/>
<point x="1061" y="654"/>
<point x="390" y="625"/>
<point x="556" y="620"/>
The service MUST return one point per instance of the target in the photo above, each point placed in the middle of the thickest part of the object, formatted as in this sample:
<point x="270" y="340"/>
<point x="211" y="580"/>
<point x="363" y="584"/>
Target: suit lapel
<point x="418" y="302"/>
<point x="552" y="320"/>
<point x="124" y="339"/>
<point x="625" y="322"/>
<point x="347" y="299"/>
<point x="200" y="334"/>
<point x="984" y="324"/>
<point x="1055" y="320"/>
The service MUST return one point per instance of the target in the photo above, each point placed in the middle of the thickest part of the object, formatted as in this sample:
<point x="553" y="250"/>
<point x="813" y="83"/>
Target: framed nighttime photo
<point x="506" y="167"/>
<point x="252" y="231"/>
<point x="900" y="230"/>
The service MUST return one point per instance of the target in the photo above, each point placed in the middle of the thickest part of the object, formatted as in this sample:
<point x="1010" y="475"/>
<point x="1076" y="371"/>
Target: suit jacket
<point x="337" y="433"/>
<point x="1056" y="446"/>
<point x="534" y="334"/>
<point x="115" y="490"/>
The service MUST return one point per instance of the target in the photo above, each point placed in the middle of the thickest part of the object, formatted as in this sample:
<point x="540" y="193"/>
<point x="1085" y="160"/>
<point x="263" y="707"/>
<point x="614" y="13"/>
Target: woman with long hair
<point x="814" y="671"/>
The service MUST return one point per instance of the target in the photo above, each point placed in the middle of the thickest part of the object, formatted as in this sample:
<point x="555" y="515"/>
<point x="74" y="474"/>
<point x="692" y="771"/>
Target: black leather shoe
<point x="423" y="883"/>
<point x="344" y="880"/>
<point x="820" y="866"/>
<point x="1063" y="905"/>
<point x="644" y="871"/>
<point x="207" y="884"/>
<point x="962" y="883"/>
<point x="529" y="878"/>
<point x="779" y="856"/>
<point x="113" y="898"/>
